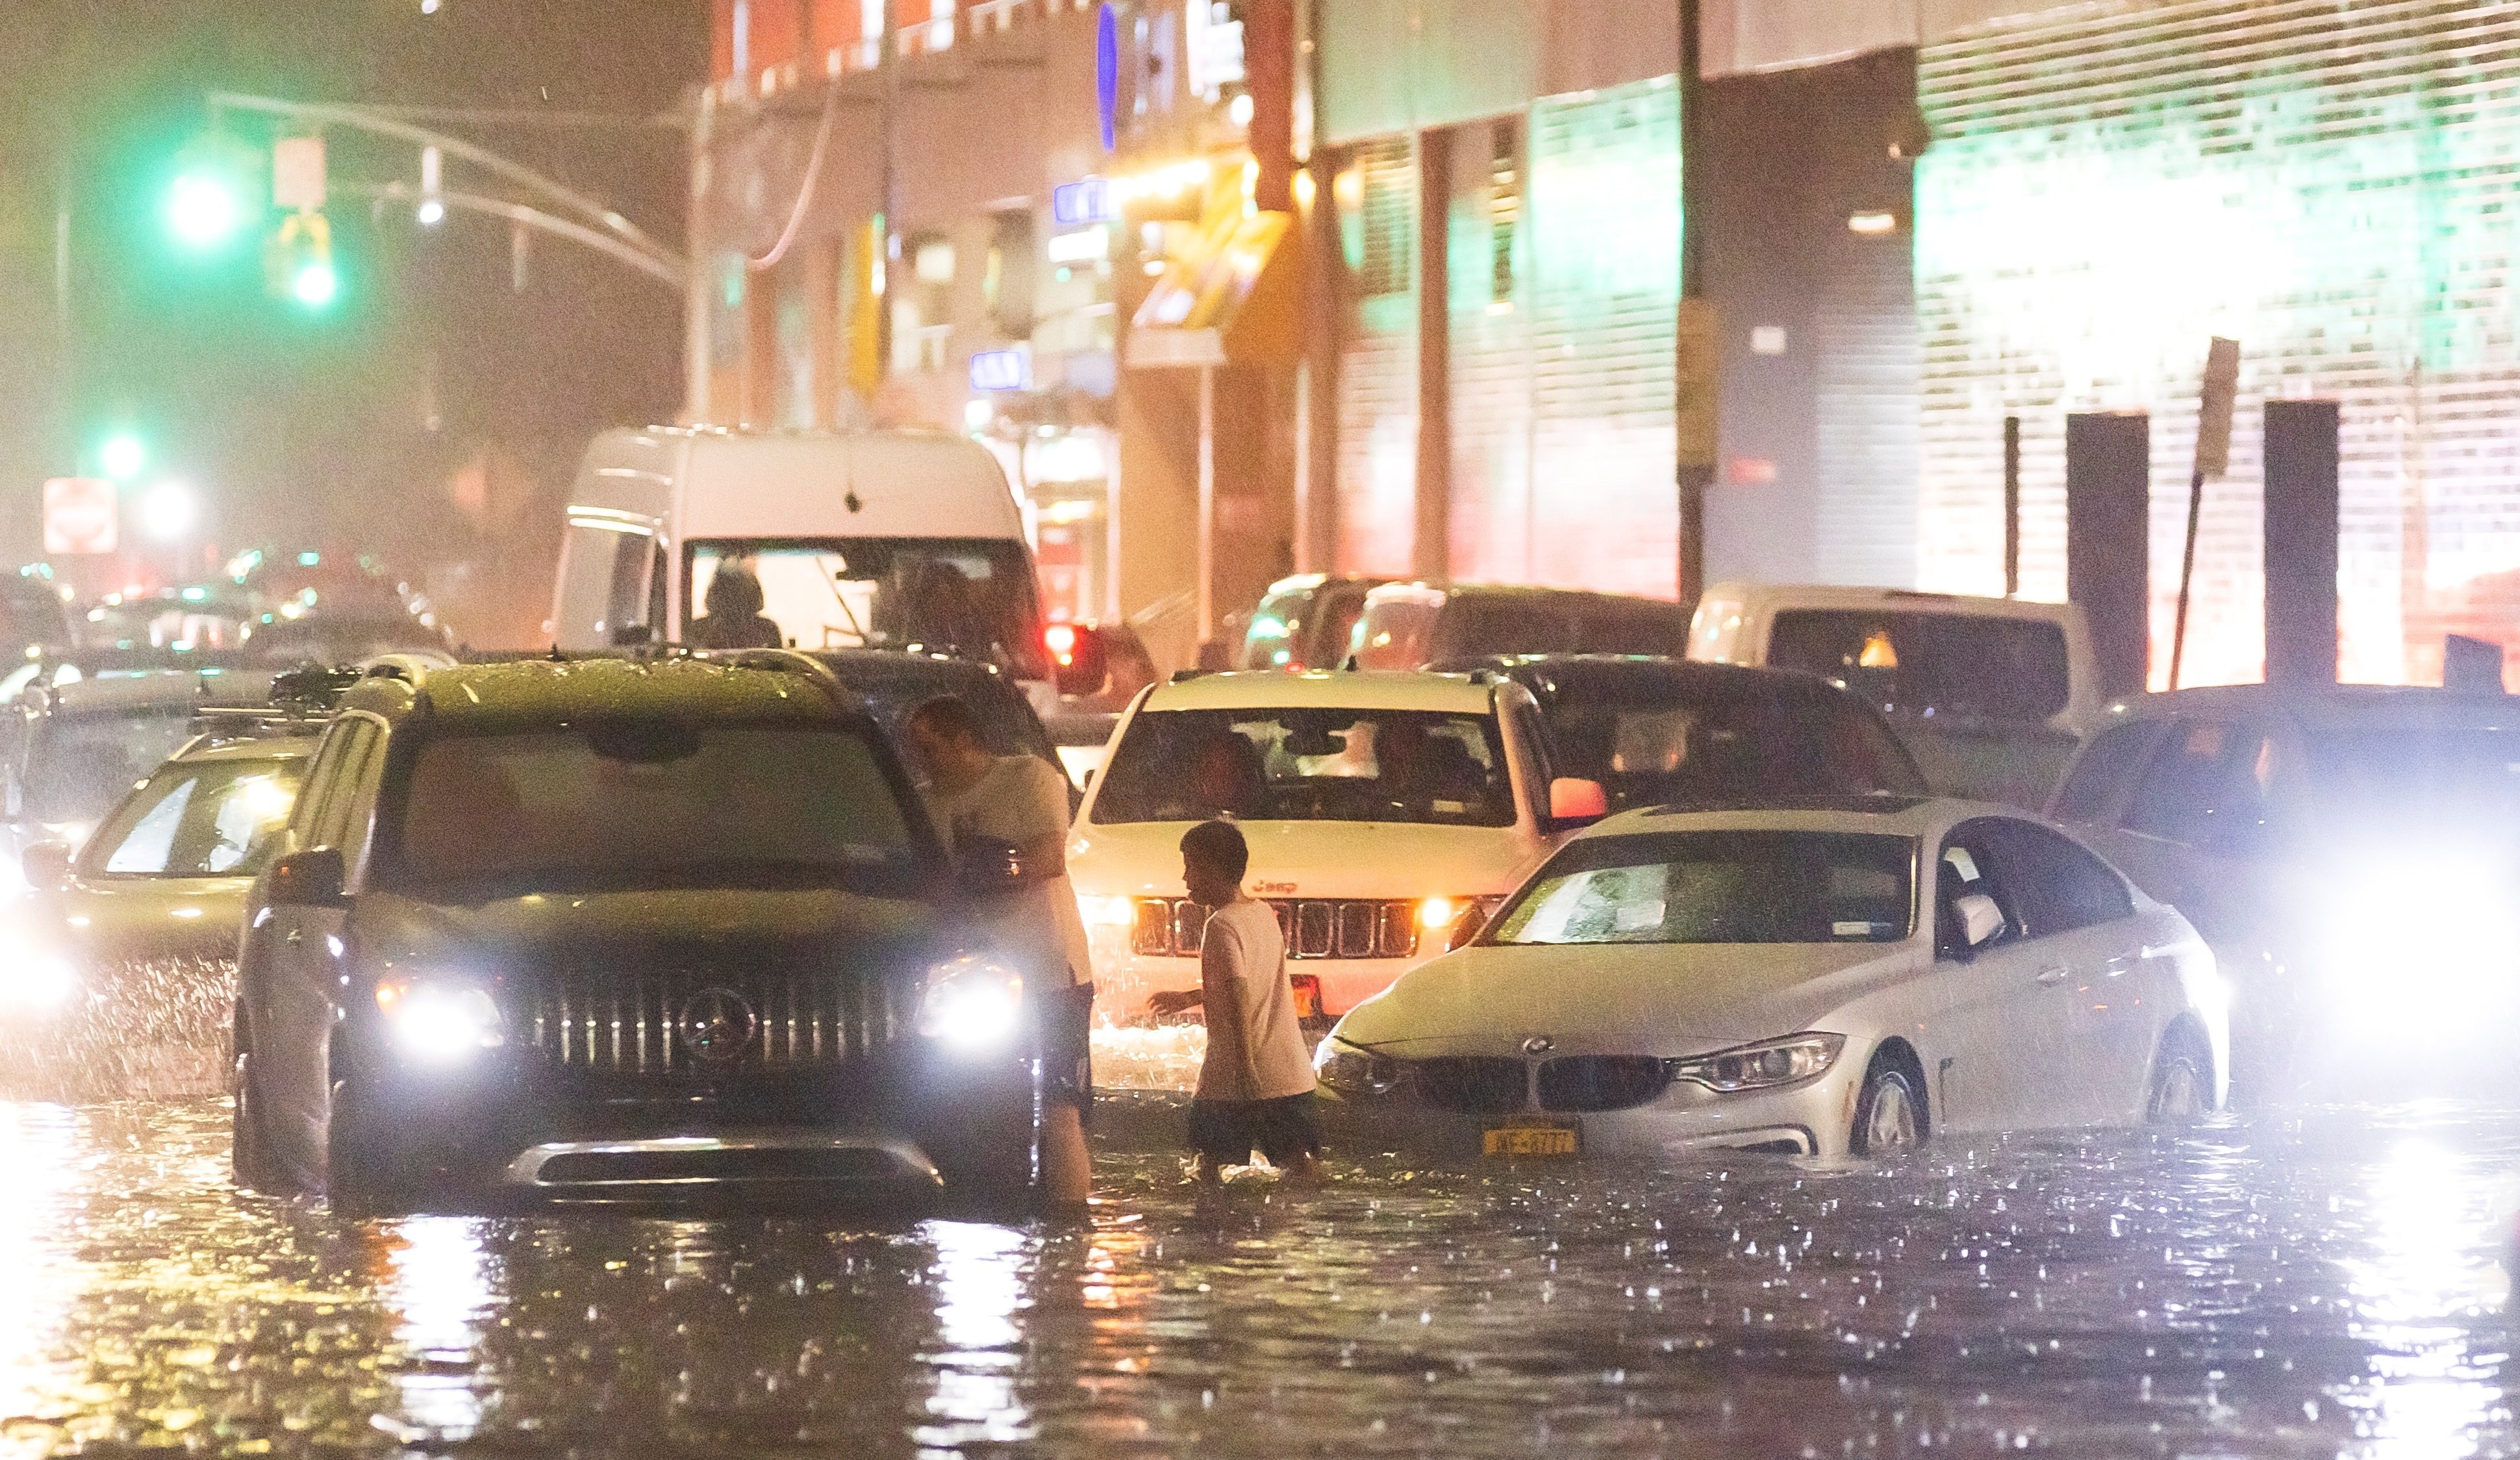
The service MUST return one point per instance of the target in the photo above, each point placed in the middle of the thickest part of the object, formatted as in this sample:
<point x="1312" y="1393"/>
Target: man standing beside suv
<point x="1019" y="802"/>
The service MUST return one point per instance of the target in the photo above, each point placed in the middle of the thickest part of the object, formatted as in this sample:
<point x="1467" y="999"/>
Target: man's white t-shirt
<point x="1023" y="800"/>
<point x="1255" y="1045"/>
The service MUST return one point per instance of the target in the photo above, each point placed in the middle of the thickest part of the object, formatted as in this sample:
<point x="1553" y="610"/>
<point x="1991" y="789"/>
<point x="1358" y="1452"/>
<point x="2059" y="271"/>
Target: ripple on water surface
<point x="2288" y="1287"/>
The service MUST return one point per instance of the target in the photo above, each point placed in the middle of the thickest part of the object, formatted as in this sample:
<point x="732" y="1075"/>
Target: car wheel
<point x="1890" y="1113"/>
<point x="249" y="1157"/>
<point x="361" y="1175"/>
<point x="2181" y="1084"/>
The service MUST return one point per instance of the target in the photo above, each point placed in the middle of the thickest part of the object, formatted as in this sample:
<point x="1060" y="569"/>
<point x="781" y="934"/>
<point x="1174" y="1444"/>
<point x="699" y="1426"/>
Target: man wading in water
<point x="1021" y="801"/>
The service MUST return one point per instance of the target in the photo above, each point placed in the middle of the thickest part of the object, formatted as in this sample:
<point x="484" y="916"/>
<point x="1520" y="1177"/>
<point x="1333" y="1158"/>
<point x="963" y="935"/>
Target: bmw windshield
<point x="1737" y="887"/>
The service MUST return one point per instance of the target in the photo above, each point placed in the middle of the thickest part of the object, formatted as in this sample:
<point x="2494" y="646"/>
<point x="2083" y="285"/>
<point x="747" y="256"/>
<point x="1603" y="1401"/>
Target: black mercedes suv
<point x="603" y="930"/>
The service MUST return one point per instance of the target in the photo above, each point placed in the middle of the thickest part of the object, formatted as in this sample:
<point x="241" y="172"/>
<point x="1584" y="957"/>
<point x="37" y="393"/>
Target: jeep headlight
<point x="1757" y="1066"/>
<point x="972" y="1004"/>
<point x="438" y="1021"/>
<point x="1351" y="1070"/>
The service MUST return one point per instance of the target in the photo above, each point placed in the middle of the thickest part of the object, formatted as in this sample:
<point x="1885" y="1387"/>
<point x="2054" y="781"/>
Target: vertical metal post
<point x="2013" y="506"/>
<point x="888" y="237"/>
<point x="1303" y="466"/>
<point x="2187" y="575"/>
<point x="1692" y="476"/>
<point x="1206" y="508"/>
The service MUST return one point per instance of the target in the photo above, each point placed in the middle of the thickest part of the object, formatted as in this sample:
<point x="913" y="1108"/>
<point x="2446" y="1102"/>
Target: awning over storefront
<point x="1230" y="299"/>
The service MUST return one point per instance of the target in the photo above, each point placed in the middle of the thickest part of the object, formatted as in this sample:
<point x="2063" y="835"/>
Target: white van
<point x="1990" y="693"/>
<point x="862" y="539"/>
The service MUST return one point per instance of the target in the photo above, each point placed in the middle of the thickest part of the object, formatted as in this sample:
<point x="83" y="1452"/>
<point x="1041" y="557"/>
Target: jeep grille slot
<point x="1312" y="927"/>
<point x="706" y="1017"/>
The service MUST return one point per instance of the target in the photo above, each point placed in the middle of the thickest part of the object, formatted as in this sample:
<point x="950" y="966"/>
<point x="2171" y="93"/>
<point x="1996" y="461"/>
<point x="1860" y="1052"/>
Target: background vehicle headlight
<point x="39" y="979"/>
<point x="1351" y="1070"/>
<point x="439" y="1022"/>
<point x="1756" y="1067"/>
<point x="972" y="1003"/>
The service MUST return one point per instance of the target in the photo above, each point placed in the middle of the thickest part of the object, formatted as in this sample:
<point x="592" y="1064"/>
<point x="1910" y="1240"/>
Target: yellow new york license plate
<point x="1531" y="1140"/>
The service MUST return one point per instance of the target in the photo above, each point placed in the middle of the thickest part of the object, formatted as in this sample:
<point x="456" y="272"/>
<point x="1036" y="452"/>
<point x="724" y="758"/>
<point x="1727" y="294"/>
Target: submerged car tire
<point x="2182" y="1082"/>
<point x="362" y="1174"/>
<point x="1890" y="1115"/>
<point x="249" y="1157"/>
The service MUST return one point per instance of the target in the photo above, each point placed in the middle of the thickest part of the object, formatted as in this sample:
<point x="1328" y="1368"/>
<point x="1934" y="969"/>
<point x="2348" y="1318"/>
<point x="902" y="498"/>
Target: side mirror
<point x="632" y="636"/>
<point x="1574" y="801"/>
<point x="1472" y="922"/>
<point x="1080" y="658"/>
<point x="309" y="878"/>
<point x="988" y="869"/>
<point x="47" y="865"/>
<point x="1981" y="920"/>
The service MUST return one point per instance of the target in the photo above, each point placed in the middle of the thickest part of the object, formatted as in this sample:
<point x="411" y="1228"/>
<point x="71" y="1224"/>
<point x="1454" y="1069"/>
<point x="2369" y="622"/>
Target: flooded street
<point x="2308" y="1284"/>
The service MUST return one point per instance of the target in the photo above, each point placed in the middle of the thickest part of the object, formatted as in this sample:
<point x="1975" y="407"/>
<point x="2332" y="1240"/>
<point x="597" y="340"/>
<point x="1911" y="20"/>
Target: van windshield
<point x="968" y="596"/>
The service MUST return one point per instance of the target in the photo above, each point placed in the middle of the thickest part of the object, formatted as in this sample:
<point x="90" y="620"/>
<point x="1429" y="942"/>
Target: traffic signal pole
<point x="622" y="240"/>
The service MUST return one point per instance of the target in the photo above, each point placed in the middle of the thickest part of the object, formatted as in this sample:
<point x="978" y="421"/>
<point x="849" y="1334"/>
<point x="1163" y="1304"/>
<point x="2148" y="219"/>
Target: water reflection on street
<point x="2301" y="1285"/>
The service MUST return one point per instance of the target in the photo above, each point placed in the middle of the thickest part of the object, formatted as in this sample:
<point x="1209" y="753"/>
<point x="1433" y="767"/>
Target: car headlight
<point x="41" y="980"/>
<point x="1757" y="1066"/>
<point x="439" y="1022"/>
<point x="972" y="1004"/>
<point x="1353" y="1070"/>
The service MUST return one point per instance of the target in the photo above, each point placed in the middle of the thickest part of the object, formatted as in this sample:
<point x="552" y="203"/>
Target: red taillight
<point x="1308" y="995"/>
<point x="1061" y="640"/>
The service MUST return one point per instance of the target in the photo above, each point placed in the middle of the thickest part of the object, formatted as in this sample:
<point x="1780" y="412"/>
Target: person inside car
<point x="1021" y="802"/>
<point x="735" y="620"/>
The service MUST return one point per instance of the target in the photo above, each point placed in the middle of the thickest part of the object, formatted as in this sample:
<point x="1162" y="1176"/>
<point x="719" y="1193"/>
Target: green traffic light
<point x="122" y="456"/>
<point x="203" y="210"/>
<point x="315" y="284"/>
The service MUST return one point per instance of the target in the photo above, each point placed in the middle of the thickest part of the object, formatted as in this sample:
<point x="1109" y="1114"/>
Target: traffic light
<point x="298" y="262"/>
<point x="122" y="455"/>
<point x="215" y="195"/>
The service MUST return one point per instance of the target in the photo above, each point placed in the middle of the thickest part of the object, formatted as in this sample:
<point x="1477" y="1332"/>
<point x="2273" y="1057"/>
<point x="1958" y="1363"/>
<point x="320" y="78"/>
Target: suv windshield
<point x="1650" y="750"/>
<point x="78" y="766"/>
<point x="1308" y="765"/>
<point x="1972" y="665"/>
<point x="971" y="597"/>
<point x="1742" y="887"/>
<point x="211" y="818"/>
<point x="648" y="804"/>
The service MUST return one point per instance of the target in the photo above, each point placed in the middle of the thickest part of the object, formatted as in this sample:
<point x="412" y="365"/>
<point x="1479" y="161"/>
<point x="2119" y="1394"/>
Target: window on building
<point x="1505" y="206"/>
<point x="1385" y="196"/>
<point x="1014" y="255"/>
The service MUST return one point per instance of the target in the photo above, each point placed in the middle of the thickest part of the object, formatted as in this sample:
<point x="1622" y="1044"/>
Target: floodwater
<point x="2306" y="1283"/>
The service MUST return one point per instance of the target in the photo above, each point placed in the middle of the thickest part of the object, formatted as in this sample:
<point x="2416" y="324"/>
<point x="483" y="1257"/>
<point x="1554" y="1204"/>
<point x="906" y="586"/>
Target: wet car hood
<point x="1641" y="998"/>
<point x="395" y="928"/>
<point x="110" y="918"/>
<point x="1312" y="859"/>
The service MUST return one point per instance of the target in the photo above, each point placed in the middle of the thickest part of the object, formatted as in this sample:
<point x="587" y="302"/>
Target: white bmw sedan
<point x="1813" y="977"/>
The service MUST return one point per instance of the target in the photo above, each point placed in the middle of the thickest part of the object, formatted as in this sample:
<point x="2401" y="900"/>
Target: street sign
<point x="2214" y="407"/>
<point x="80" y="515"/>
<point x="297" y="173"/>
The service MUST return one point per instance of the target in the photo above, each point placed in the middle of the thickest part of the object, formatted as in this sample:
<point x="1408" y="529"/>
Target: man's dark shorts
<point x="1067" y="1045"/>
<point x="1228" y="1132"/>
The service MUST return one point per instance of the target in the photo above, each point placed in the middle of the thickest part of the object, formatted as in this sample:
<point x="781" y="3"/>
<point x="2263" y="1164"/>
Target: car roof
<point x="1325" y="689"/>
<point x="2335" y="706"/>
<point x="1883" y="814"/>
<point x="525" y="692"/>
<point x="1577" y="676"/>
<point x="118" y="691"/>
<point x="1509" y="592"/>
<point x="1887" y="600"/>
<point x="222" y="747"/>
<point x="891" y="672"/>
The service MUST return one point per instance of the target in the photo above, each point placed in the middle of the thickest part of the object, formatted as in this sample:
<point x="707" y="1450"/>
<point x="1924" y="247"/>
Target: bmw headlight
<point x="1351" y="1070"/>
<point x="1757" y="1066"/>
<point x="972" y="1004"/>
<point x="440" y="1020"/>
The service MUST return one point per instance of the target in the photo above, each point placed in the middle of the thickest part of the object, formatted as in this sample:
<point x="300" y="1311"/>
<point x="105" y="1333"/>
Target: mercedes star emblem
<point x="1537" y="1044"/>
<point x="717" y="1023"/>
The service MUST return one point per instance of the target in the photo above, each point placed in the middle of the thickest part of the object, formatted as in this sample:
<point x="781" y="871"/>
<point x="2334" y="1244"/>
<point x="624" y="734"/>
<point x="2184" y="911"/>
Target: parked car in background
<point x="77" y="744"/>
<point x="1411" y="625"/>
<point x="1818" y="978"/>
<point x="2352" y="852"/>
<point x="1303" y="622"/>
<point x="347" y="632"/>
<point x="1662" y="731"/>
<point x="1385" y="813"/>
<point x="34" y="616"/>
<point x="1991" y="695"/>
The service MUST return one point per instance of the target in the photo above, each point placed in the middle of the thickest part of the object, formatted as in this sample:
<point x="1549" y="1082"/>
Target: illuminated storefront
<point x="2331" y="184"/>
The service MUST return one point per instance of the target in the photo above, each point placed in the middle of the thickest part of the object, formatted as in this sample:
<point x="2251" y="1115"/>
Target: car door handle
<point x="2118" y="965"/>
<point x="295" y="937"/>
<point x="2053" y="975"/>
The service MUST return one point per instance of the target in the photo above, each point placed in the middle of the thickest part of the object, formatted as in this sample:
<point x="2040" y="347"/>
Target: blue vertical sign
<point x="1106" y="73"/>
